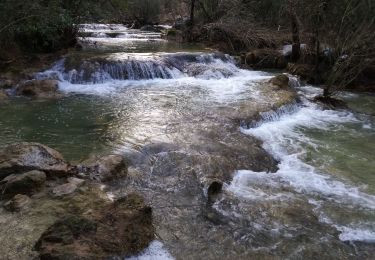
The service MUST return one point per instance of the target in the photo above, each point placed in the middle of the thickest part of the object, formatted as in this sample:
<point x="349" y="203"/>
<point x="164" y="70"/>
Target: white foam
<point x="356" y="234"/>
<point x="221" y="80"/>
<point x="121" y="40"/>
<point x="284" y="141"/>
<point x="256" y="186"/>
<point x="155" y="251"/>
<point x="221" y="90"/>
<point x="104" y="89"/>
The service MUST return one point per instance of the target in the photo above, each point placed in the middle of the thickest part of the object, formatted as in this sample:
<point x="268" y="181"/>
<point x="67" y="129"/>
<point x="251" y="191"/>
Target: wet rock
<point x="17" y="203"/>
<point x="106" y="168"/>
<point x="39" y="89"/>
<point x="64" y="189"/>
<point x="20" y="232"/>
<point x="26" y="183"/>
<point x="266" y="59"/>
<point x="282" y="81"/>
<point x="206" y="71"/>
<point x="122" y="228"/>
<point x="76" y="181"/>
<point x="22" y="157"/>
<point x="150" y="28"/>
<point x="331" y="103"/>
<point x="126" y="226"/>
<point x="214" y="216"/>
<point x="58" y="241"/>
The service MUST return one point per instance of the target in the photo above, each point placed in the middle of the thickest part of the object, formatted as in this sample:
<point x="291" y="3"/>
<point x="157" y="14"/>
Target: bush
<point x="49" y="25"/>
<point x="144" y="11"/>
<point x="36" y="26"/>
<point x="46" y="36"/>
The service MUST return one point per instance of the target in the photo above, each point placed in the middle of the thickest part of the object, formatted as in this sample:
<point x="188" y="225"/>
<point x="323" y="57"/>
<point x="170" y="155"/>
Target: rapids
<point x="298" y="180"/>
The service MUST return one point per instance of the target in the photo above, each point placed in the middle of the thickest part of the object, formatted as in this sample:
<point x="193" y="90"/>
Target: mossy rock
<point x="282" y="81"/>
<point x="122" y="228"/>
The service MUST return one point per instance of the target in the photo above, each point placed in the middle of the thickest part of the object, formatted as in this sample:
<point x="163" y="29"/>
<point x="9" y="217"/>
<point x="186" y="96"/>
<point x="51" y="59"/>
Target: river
<point x="298" y="183"/>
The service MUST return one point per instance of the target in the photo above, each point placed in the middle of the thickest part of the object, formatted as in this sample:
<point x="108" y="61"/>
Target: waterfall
<point x="141" y="67"/>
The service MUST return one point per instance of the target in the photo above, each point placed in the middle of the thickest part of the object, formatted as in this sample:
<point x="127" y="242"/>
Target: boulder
<point x="17" y="203"/>
<point x="64" y="189"/>
<point x="21" y="157"/>
<point x="58" y="241"/>
<point x="151" y="28"/>
<point x="120" y="229"/>
<point x="125" y="226"/>
<point x="305" y="71"/>
<point x="265" y="59"/>
<point x="330" y="103"/>
<point x="25" y="183"/>
<point x="106" y="168"/>
<point x="282" y="81"/>
<point x="39" y="89"/>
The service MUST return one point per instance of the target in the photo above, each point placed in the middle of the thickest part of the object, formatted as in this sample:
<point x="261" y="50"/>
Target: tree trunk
<point x="326" y="91"/>
<point x="296" y="47"/>
<point x="192" y="10"/>
<point x="191" y="22"/>
<point x="317" y="53"/>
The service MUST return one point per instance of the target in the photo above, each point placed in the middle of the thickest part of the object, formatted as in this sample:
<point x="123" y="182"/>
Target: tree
<point x="144" y="11"/>
<point x="296" y="44"/>
<point x="192" y="12"/>
<point x="349" y="32"/>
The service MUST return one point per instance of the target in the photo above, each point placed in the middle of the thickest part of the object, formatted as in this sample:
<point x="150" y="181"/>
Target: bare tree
<point x="192" y="12"/>
<point x="296" y="44"/>
<point x="352" y="45"/>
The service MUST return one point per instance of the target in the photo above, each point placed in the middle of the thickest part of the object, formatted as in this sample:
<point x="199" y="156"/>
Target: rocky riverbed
<point x="174" y="153"/>
<point x="46" y="199"/>
<point x="52" y="210"/>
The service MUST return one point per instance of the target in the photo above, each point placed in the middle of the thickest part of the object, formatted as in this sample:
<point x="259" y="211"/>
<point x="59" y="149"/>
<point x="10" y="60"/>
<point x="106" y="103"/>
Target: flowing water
<point x="184" y="117"/>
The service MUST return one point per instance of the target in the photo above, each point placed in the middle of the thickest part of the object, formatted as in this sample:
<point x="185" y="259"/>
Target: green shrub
<point x="36" y="26"/>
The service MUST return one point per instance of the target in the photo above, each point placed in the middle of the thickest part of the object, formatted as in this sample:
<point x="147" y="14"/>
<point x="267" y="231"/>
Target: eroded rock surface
<point x="122" y="228"/>
<point x="282" y="81"/>
<point x="17" y="203"/>
<point x="21" y="157"/>
<point x="64" y="189"/>
<point x="105" y="168"/>
<point x="39" y="89"/>
<point x="25" y="183"/>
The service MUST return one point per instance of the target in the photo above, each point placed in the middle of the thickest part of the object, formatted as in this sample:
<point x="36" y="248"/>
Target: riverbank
<point x="53" y="209"/>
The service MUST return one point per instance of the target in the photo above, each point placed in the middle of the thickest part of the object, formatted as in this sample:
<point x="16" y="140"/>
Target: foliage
<point x="49" y="25"/>
<point x="144" y="11"/>
<point x="339" y="33"/>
